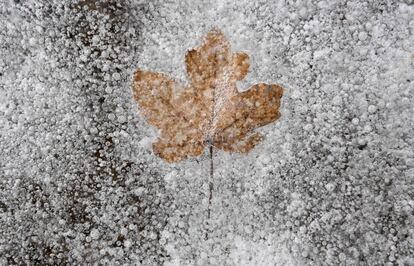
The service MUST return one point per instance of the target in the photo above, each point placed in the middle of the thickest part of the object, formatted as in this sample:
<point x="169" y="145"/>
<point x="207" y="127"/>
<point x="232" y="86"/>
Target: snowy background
<point x="331" y="184"/>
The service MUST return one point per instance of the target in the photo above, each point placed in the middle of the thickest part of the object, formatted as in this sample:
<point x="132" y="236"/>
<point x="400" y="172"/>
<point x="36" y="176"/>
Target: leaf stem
<point x="210" y="181"/>
<point x="210" y="188"/>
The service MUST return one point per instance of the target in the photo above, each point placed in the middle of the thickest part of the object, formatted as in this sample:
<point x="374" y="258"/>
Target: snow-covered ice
<point x="332" y="183"/>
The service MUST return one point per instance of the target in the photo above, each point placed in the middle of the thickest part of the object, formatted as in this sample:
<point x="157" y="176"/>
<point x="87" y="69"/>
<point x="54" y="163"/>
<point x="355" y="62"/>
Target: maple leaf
<point x="210" y="111"/>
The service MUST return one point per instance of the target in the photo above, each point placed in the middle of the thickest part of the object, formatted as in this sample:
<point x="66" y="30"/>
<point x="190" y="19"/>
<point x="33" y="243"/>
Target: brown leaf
<point x="210" y="110"/>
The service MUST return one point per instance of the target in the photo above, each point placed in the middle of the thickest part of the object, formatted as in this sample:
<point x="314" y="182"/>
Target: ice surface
<point x="331" y="184"/>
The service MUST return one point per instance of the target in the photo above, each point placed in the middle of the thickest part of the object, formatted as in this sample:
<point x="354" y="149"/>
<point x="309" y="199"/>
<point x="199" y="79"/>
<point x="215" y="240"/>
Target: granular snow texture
<point x="332" y="183"/>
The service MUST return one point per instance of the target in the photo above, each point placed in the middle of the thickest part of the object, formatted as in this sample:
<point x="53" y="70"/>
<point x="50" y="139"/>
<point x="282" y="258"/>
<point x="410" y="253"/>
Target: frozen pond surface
<point x="332" y="183"/>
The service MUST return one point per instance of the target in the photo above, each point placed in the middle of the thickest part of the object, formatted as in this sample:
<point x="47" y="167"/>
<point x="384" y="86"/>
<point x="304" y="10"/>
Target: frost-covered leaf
<point x="210" y="110"/>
